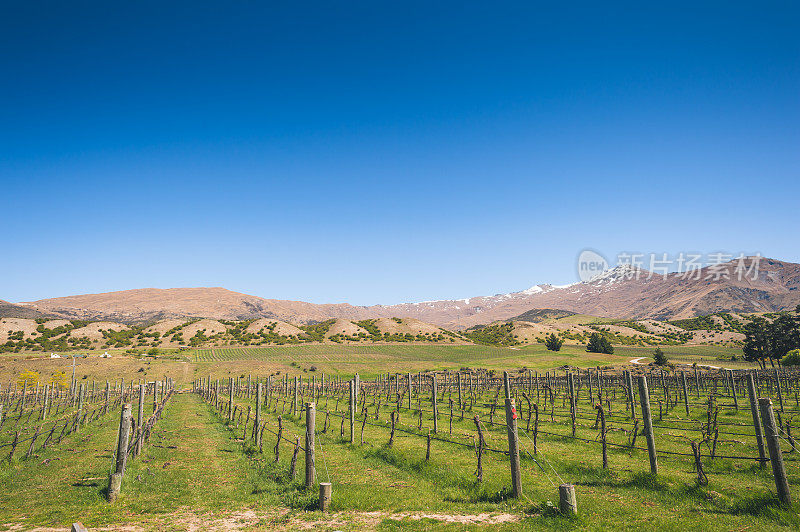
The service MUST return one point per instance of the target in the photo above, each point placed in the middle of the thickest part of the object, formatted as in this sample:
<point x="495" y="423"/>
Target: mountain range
<point x="624" y="292"/>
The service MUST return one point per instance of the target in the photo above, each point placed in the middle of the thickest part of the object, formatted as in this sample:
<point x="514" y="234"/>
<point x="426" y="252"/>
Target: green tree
<point x="784" y="335"/>
<point x="659" y="357"/>
<point x="599" y="344"/>
<point x="553" y="342"/>
<point x="792" y="358"/>
<point x="756" y="342"/>
<point x="771" y="341"/>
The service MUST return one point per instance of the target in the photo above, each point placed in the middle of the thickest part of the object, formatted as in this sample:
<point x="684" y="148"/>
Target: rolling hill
<point x="622" y="293"/>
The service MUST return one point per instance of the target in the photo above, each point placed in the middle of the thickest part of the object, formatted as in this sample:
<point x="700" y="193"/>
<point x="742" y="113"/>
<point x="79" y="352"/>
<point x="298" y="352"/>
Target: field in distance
<point x="341" y="360"/>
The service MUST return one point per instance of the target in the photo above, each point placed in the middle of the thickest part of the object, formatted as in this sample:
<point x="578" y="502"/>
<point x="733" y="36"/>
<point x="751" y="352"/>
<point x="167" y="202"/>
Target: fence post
<point x="115" y="481"/>
<point x="751" y="390"/>
<point x="632" y="395"/>
<point x="458" y="379"/>
<point x="685" y="393"/>
<point x="356" y="388"/>
<point x="733" y="391"/>
<point x="566" y="499"/>
<point x="644" y="397"/>
<point x="46" y="404"/>
<point x="409" y="391"/>
<point x="311" y="419"/>
<point x="513" y="438"/>
<point x="294" y="401"/>
<point x="259" y="394"/>
<point x="778" y="385"/>
<point x="572" y="402"/>
<point x="352" y="410"/>
<point x="230" y="399"/>
<point x="324" y="495"/>
<point x="774" y="445"/>
<point x="435" y="406"/>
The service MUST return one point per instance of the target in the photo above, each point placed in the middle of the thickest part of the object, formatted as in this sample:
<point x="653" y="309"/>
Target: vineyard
<point x="452" y="432"/>
<point x="595" y="447"/>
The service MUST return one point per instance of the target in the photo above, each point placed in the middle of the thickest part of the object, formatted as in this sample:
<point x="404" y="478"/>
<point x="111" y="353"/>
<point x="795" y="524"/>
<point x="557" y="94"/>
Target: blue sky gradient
<point x="381" y="153"/>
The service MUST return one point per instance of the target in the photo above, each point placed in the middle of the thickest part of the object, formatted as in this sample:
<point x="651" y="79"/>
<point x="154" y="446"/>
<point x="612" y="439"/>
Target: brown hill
<point x="152" y="304"/>
<point x="10" y="310"/>
<point x="617" y="293"/>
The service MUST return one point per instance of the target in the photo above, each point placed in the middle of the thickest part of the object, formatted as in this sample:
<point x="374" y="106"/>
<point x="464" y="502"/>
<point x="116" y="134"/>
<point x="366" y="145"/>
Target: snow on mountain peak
<point x="621" y="272"/>
<point x="536" y="289"/>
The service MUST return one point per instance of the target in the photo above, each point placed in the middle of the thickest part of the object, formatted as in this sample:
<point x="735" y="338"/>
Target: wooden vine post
<point x="513" y="438"/>
<point x="325" y="490"/>
<point x="751" y="390"/>
<point x="685" y="393"/>
<point x="644" y="397"/>
<point x="230" y="399"/>
<point x="567" y="503"/>
<point x="311" y="419"/>
<point x="259" y="400"/>
<point x="774" y="446"/>
<point x="115" y="480"/>
<point x="294" y="401"/>
<point x="435" y="406"/>
<point x="632" y="395"/>
<point x="352" y="411"/>
<point x="572" y="402"/>
<point x="409" y="391"/>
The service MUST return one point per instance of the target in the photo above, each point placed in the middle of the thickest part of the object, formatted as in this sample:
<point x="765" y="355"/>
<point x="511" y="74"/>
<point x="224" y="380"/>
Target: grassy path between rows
<point x="190" y="466"/>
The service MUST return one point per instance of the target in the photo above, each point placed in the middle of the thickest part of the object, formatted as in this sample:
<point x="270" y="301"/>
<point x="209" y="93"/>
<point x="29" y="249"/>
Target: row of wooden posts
<point x="48" y="411"/>
<point x="566" y="491"/>
<point x="130" y="447"/>
<point x="762" y="408"/>
<point x="51" y="399"/>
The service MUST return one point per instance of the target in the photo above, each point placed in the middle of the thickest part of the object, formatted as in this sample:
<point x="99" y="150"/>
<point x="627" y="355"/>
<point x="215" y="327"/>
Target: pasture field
<point x="203" y="468"/>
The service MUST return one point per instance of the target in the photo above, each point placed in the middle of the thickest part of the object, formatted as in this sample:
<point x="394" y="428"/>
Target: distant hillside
<point x="22" y="334"/>
<point x="10" y="310"/>
<point x="153" y="304"/>
<point x="538" y="315"/>
<point x="723" y="329"/>
<point x="621" y="293"/>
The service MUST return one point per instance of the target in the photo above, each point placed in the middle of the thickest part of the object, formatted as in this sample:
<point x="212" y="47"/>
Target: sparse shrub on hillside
<point x="553" y="342"/>
<point x="599" y="344"/>
<point x="316" y="332"/>
<point x="659" y="357"/>
<point x="500" y="334"/>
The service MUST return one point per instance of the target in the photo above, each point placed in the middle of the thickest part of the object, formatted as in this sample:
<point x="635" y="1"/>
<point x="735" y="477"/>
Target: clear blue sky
<point x="384" y="152"/>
